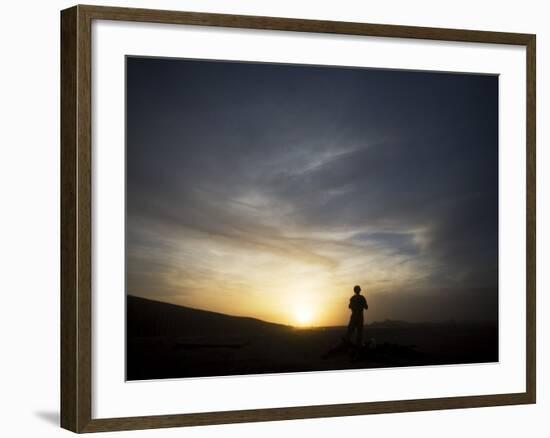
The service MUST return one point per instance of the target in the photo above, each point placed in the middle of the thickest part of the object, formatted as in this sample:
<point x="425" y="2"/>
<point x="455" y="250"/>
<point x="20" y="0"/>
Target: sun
<point x="303" y="316"/>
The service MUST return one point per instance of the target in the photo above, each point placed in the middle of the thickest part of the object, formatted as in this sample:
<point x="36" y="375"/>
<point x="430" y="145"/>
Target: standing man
<point x="357" y="304"/>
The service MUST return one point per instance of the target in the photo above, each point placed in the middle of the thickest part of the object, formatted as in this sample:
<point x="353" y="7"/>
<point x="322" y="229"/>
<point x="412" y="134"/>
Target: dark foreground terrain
<point x="169" y="341"/>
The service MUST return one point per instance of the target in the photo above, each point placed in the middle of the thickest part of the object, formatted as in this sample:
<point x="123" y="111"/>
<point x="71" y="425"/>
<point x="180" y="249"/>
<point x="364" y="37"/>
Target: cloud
<point x="388" y="178"/>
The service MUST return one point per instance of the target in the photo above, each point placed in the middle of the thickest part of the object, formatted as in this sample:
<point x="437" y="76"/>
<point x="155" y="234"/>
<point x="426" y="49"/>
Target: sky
<point x="270" y="190"/>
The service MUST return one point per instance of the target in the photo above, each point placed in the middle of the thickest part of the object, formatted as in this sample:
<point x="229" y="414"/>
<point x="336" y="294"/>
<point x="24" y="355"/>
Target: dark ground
<point x="168" y="341"/>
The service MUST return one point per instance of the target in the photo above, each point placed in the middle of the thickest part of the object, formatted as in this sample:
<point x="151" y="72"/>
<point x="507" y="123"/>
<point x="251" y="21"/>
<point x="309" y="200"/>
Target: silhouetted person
<point x="357" y="304"/>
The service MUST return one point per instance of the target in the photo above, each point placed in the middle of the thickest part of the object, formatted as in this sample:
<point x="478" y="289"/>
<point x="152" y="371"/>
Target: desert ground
<point x="170" y="341"/>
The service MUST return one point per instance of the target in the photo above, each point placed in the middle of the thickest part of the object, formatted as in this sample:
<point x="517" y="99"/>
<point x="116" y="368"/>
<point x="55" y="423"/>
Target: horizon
<point x="270" y="190"/>
<point x="306" y="327"/>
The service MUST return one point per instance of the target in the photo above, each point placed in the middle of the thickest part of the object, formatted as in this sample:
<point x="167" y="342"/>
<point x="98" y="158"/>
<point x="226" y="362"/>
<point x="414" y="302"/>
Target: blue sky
<point x="267" y="189"/>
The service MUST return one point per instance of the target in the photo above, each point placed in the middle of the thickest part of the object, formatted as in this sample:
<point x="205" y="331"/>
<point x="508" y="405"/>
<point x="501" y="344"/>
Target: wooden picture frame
<point x="76" y="218"/>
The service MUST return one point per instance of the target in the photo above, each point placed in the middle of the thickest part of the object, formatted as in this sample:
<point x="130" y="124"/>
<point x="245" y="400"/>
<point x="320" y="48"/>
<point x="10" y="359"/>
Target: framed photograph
<point x="271" y="218"/>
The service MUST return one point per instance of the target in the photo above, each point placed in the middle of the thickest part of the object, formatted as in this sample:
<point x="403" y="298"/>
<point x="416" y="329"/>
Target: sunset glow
<point x="303" y="316"/>
<point x="269" y="191"/>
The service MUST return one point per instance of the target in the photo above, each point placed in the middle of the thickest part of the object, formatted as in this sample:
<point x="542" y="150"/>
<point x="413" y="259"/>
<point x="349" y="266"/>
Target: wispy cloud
<point x="252" y="185"/>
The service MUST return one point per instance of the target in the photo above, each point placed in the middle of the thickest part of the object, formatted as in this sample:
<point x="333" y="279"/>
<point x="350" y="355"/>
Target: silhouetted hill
<point x="170" y="341"/>
<point x="154" y="318"/>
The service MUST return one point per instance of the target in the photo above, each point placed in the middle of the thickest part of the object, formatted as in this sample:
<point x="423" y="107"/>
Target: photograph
<point x="288" y="218"/>
<point x="275" y="219"/>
